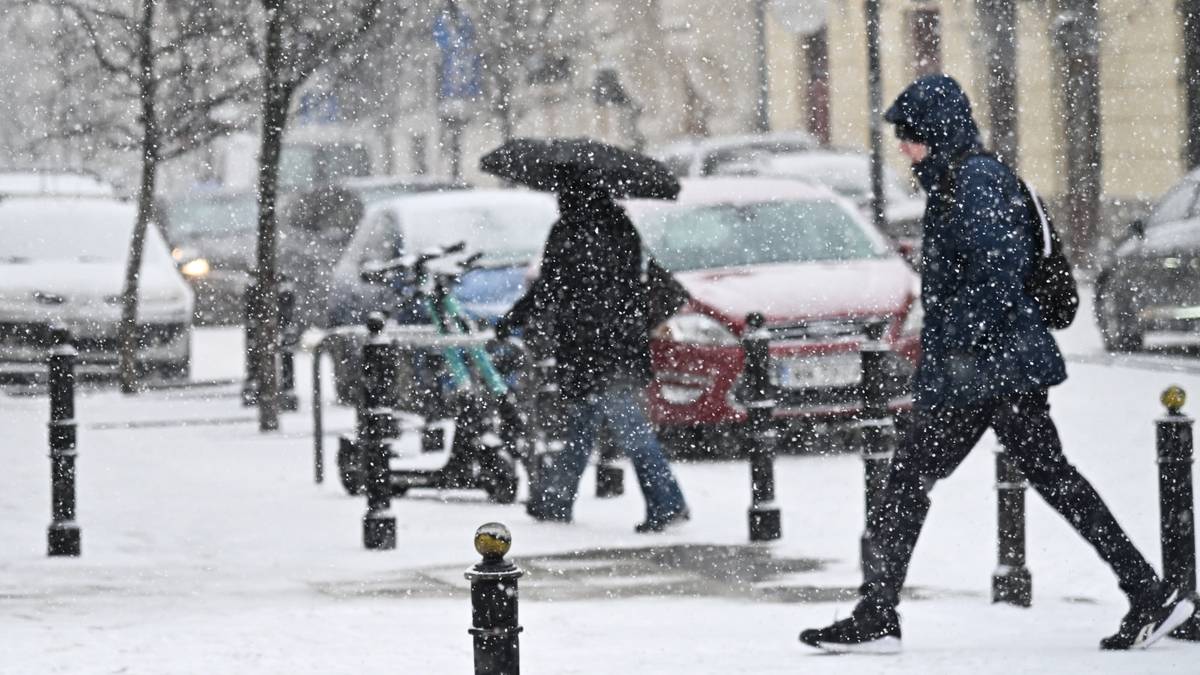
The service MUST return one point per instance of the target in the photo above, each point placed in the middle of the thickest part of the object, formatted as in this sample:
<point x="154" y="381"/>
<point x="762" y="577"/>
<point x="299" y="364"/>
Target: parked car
<point x="53" y="183"/>
<point x="63" y="264"/>
<point x="508" y="227"/>
<point x="706" y="156"/>
<point x="213" y="241"/>
<point x="318" y="223"/>
<point x="807" y="260"/>
<point x="849" y="174"/>
<point x="1148" y="281"/>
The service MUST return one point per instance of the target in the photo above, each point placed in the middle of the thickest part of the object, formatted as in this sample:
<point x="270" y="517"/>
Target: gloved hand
<point x="504" y="328"/>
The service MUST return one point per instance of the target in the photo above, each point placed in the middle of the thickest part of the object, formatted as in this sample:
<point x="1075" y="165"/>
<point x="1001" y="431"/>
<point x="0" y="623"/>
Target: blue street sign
<point x="461" y="71"/>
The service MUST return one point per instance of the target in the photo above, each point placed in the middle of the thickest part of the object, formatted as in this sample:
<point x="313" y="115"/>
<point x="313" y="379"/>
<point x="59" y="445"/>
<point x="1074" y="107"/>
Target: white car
<point x="62" y="263"/>
<point x="705" y="156"/>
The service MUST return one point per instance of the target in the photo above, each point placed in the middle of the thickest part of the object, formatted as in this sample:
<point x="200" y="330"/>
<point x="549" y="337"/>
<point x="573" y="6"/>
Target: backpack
<point x="1050" y="281"/>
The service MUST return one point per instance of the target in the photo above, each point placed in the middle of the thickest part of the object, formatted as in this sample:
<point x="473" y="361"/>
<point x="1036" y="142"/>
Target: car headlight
<point x="194" y="269"/>
<point x="915" y="318"/>
<point x="696" y="329"/>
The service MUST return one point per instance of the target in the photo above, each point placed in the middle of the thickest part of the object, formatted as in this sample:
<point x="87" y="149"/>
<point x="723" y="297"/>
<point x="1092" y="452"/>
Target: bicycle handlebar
<point x="382" y="272"/>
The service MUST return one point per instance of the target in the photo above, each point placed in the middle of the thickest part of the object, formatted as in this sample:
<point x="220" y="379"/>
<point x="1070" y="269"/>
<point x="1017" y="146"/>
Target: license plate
<point x="815" y="372"/>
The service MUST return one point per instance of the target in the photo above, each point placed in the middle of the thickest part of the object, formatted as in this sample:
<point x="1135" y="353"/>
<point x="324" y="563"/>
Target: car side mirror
<point x="1138" y="228"/>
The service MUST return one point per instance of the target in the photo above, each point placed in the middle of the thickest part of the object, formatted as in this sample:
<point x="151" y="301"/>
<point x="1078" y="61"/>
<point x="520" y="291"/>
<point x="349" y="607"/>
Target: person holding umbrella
<point x="592" y="304"/>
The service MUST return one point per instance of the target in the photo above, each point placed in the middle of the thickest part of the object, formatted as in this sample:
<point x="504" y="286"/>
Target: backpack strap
<point x="1043" y="221"/>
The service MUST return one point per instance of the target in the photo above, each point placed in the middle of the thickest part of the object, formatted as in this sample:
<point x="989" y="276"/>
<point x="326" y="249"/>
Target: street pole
<point x="1190" y="11"/>
<point x="762" y="108"/>
<point x="998" y="25"/>
<point x="1076" y="38"/>
<point x="875" y="103"/>
<point x="495" y="629"/>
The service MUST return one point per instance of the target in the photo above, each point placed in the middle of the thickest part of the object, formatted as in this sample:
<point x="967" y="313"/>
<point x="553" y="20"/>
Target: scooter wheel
<point x="350" y="470"/>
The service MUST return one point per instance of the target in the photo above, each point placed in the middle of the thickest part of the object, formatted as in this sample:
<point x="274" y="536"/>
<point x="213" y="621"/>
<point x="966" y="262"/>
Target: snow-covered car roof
<point x="56" y="227"/>
<point x="503" y="224"/>
<point x="735" y="141"/>
<point x="37" y="183"/>
<point x="737" y="190"/>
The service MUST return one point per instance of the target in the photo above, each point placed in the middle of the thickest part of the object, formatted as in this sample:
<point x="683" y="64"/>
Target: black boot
<point x="869" y="630"/>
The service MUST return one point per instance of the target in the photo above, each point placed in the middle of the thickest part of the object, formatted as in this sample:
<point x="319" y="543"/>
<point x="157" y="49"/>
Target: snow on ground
<point x="207" y="548"/>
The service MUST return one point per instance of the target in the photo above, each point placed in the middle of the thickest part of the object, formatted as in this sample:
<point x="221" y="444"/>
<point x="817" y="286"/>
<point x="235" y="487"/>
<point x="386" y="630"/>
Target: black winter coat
<point x="589" y="298"/>
<point x="983" y="337"/>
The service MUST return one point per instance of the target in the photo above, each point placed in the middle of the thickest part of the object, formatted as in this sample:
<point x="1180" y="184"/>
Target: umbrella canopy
<point x="559" y="164"/>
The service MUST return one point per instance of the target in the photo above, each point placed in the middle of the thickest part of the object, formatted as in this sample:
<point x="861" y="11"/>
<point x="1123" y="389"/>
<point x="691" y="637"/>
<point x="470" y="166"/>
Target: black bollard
<point x="877" y="429"/>
<point x="251" y="316"/>
<point x="610" y="479"/>
<point x="1012" y="583"/>
<point x="759" y="436"/>
<point x="63" y="534"/>
<point x="379" y="381"/>
<point x="494" y="603"/>
<point x="1176" y="503"/>
<point x="289" y="337"/>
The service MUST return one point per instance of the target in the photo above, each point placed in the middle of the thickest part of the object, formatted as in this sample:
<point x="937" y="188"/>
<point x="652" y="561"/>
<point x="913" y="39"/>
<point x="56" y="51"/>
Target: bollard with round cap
<point x="757" y="393"/>
<point x="494" y="603"/>
<point x="1011" y="583"/>
<point x="876" y="426"/>
<point x="63" y="538"/>
<point x="1176" y="502"/>
<point x="379" y="380"/>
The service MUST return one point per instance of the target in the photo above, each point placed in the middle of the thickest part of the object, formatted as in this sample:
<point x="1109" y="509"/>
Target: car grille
<point x="38" y="334"/>
<point x="826" y="331"/>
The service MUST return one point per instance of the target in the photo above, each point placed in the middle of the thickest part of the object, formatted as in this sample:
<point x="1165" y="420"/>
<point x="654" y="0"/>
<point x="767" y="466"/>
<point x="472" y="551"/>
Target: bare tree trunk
<point x="276" y="99"/>
<point x="815" y="52"/>
<point x="1076" y="34"/>
<point x="998" y="24"/>
<point x="1190" y="11"/>
<point x="128" y="338"/>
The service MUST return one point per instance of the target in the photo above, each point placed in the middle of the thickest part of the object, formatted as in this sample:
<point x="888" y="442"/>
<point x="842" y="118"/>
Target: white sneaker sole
<point x="1182" y="612"/>
<point x="882" y="646"/>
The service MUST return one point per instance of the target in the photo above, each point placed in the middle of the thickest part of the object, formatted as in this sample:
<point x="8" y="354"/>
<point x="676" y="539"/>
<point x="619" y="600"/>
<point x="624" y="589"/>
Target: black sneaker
<point x="875" y="631"/>
<point x="1151" y="617"/>
<point x="659" y="524"/>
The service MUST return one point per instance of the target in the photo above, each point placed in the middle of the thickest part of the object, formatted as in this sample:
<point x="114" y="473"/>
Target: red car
<point x="803" y="257"/>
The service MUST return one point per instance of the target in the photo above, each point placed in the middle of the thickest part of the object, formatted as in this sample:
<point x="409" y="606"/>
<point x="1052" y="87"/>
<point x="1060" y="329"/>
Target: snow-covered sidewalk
<point x="207" y="548"/>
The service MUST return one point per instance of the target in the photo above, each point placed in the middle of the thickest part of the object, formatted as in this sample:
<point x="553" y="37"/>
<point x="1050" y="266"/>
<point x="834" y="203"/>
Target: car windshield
<point x="505" y="234"/>
<point x="732" y="235"/>
<point x="195" y="216"/>
<point x="72" y="231"/>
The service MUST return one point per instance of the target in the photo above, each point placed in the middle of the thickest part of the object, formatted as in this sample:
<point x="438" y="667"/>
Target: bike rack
<point x="406" y="338"/>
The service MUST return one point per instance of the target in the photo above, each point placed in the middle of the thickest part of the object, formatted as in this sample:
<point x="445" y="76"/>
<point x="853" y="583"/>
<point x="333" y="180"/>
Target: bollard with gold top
<point x="494" y="603"/>
<point x="1176" y="502"/>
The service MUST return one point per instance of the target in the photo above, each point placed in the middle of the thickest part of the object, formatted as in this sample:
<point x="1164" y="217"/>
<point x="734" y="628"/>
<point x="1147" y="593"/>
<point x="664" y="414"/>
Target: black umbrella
<point x="559" y="164"/>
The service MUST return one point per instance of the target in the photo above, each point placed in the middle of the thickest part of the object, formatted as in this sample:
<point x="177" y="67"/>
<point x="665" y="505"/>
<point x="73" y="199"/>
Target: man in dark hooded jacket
<point x="591" y="295"/>
<point x="987" y="362"/>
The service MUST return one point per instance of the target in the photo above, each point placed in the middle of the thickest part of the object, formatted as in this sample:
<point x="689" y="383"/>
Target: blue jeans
<point x="622" y="407"/>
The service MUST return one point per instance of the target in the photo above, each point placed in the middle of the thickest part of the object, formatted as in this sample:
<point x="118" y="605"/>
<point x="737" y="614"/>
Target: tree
<point x="521" y="42"/>
<point x="300" y="37"/>
<point x="159" y="81"/>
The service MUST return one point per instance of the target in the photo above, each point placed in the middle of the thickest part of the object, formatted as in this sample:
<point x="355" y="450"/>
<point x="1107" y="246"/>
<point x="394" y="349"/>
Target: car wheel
<point x="1118" y="327"/>
<point x="350" y="469"/>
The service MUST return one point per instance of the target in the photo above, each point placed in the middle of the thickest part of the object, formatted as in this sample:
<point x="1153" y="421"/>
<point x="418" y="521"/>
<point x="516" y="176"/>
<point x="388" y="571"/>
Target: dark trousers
<point x="938" y="441"/>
